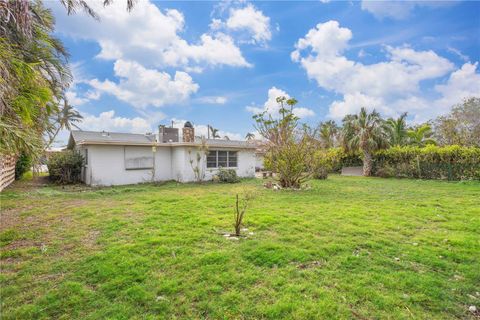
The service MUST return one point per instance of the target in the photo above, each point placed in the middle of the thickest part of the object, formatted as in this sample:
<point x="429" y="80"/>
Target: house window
<point x="222" y="159"/>
<point x="138" y="158"/>
<point x="86" y="156"/>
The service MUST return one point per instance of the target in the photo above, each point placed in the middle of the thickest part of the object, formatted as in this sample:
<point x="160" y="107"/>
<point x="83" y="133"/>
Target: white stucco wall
<point x="106" y="165"/>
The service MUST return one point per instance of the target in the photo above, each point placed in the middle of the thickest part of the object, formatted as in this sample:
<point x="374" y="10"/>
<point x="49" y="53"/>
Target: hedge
<point x="65" y="167"/>
<point x="431" y="162"/>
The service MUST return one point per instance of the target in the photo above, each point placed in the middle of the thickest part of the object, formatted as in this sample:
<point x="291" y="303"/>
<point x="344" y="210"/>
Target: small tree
<point x="291" y="145"/>
<point x="241" y="205"/>
<point x="196" y="162"/>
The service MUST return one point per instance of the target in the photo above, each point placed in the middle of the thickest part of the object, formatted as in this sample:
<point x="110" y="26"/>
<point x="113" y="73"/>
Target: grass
<point x="348" y="248"/>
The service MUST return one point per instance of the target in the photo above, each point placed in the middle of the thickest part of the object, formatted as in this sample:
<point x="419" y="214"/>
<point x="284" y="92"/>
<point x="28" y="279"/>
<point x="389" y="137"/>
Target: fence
<point x="7" y="170"/>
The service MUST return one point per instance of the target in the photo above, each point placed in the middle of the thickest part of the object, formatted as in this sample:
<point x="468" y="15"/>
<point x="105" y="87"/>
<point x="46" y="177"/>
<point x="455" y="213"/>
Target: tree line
<point x="292" y="146"/>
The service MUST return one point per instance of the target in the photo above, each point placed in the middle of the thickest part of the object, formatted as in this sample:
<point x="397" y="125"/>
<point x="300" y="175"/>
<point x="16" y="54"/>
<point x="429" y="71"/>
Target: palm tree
<point x="250" y="136"/>
<point x="33" y="74"/>
<point x="214" y="132"/>
<point x="328" y="132"/>
<point x="397" y="130"/>
<point x="365" y="132"/>
<point x="421" y="135"/>
<point x="66" y="118"/>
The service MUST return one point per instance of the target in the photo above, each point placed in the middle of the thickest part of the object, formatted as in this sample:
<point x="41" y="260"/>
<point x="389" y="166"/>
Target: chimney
<point x="188" y="132"/>
<point x="167" y="134"/>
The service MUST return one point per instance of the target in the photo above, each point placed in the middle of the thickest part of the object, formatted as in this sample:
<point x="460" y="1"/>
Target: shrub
<point x="431" y="162"/>
<point x="334" y="159"/>
<point x="65" y="167"/>
<point x="24" y="162"/>
<point x="227" y="175"/>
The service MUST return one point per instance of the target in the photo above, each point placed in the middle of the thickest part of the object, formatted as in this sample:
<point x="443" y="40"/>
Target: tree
<point x="421" y="135"/>
<point x="291" y="147"/>
<point x="328" y="134"/>
<point x="365" y="132"/>
<point x="397" y="130"/>
<point x="34" y="74"/>
<point x="65" y="118"/>
<point x="461" y="126"/>
<point x="250" y="136"/>
<point x="214" y="132"/>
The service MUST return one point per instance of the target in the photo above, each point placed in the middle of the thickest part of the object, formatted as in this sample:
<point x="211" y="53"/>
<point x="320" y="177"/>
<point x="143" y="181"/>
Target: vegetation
<point x="346" y="248"/>
<point x="227" y="175"/>
<point x="291" y="153"/>
<point x="421" y="136"/>
<point x="461" y="126"/>
<point x="65" y="167"/>
<point x="34" y="74"/>
<point x="397" y="130"/>
<point x="241" y="205"/>
<point x="366" y="133"/>
<point x="197" y="162"/>
<point x="431" y="162"/>
<point x="24" y="163"/>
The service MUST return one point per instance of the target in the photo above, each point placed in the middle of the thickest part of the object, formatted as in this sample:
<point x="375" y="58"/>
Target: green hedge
<point x="430" y="162"/>
<point x="334" y="159"/>
<point x="65" y="167"/>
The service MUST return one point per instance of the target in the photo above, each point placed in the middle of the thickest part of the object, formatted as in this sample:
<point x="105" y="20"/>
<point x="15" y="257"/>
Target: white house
<point x="126" y="158"/>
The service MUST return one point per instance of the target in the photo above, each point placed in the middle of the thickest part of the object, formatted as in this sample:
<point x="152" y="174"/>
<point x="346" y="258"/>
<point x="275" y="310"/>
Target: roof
<point x="116" y="138"/>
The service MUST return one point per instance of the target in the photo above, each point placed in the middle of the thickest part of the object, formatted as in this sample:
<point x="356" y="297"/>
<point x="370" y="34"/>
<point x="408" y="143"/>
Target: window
<point x="86" y="156"/>
<point x="223" y="159"/>
<point x="138" y="158"/>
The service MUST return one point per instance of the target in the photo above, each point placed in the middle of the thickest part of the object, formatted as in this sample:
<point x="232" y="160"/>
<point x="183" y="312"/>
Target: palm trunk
<point x="367" y="163"/>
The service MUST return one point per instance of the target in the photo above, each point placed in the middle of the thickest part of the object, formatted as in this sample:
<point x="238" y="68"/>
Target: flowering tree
<point x="291" y="146"/>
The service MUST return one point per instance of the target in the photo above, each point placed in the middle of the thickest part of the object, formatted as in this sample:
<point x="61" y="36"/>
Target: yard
<point x="361" y="248"/>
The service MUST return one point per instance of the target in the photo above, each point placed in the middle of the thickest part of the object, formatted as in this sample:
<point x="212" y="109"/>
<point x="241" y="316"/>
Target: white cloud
<point x="392" y="86"/>
<point x="213" y="100"/>
<point x="398" y="9"/>
<point x="142" y="87"/>
<point x="149" y="35"/>
<point x="272" y="107"/>
<point x="458" y="53"/>
<point x="202" y="130"/>
<point x="74" y="99"/>
<point x="250" y="19"/>
<point x="109" y="122"/>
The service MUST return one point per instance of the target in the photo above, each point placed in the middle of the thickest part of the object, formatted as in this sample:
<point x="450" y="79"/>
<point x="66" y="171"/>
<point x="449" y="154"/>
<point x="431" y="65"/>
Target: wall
<point x="106" y="165"/>
<point x="183" y="171"/>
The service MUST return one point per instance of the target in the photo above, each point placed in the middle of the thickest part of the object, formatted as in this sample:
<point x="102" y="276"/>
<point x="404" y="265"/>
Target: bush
<point x="24" y="162"/>
<point x="227" y="175"/>
<point x="65" y="167"/>
<point x="334" y="159"/>
<point x="431" y="162"/>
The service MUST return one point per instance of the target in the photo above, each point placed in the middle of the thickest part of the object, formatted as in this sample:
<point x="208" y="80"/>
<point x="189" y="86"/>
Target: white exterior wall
<point x="182" y="169"/>
<point x="106" y="165"/>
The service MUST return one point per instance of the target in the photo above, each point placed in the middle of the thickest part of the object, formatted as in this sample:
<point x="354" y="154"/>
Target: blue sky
<point x="218" y="63"/>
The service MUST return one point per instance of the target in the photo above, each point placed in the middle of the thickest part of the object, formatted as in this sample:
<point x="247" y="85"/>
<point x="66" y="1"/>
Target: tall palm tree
<point x="250" y="136"/>
<point x="328" y="132"/>
<point x="397" y="130"/>
<point x="34" y="73"/>
<point x="421" y="136"/>
<point x="365" y="132"/>
<point x="66" y="118"/>
<point x="214" y="132"/>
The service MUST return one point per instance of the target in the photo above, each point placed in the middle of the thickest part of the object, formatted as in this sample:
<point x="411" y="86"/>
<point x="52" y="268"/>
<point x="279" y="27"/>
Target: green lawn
<point x="348" y="248"/>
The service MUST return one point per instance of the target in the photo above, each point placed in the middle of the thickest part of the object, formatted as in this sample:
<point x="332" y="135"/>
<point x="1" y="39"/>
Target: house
<point x="126" y="158"/>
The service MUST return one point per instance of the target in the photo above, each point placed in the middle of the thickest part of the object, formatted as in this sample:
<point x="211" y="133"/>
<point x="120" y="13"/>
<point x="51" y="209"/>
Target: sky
<point x="219" y="63"/>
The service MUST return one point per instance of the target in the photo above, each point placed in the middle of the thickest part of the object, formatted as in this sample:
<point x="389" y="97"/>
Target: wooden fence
<point x="7" y="170"/>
